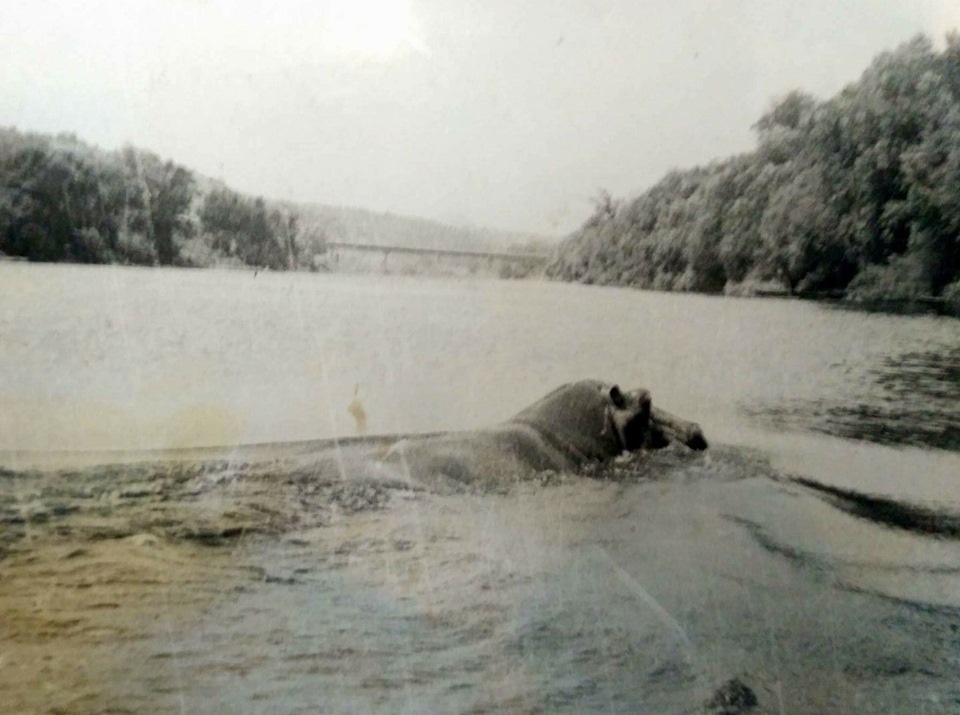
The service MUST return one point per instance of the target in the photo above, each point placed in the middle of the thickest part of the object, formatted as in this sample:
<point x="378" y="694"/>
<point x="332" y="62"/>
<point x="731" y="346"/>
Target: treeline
<point x="63" y="200"/>
<point x="859" y="194"/>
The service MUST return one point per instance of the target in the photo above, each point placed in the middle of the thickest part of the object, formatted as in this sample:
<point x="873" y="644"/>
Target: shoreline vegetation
<point x="855" y="198"/>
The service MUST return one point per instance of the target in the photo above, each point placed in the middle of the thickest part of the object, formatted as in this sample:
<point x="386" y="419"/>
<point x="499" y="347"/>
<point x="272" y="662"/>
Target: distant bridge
<point x="526" y="261"/>
<point x="533" y="258"/>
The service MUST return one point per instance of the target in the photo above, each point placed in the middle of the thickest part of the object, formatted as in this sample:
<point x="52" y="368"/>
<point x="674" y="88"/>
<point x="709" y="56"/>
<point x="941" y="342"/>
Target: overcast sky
<point x="506" y="114"/>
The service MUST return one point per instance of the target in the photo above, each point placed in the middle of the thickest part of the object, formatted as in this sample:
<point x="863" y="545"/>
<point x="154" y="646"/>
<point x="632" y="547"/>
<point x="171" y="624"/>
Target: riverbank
<point x="873" y="303"/>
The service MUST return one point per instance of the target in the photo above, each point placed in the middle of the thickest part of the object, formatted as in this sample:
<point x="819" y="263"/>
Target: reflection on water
<point x="910" y="399"/>
<point x="888" y="512"/>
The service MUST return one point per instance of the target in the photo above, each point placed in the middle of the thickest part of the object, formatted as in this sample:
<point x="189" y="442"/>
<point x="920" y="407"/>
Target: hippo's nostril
<point x="697" y="441"/>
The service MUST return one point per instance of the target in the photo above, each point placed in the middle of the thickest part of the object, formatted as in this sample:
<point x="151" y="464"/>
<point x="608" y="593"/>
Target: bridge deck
<point x="528" y="257"/>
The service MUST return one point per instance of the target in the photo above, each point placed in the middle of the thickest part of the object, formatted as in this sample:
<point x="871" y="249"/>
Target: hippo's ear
<point x="619" y="400"/>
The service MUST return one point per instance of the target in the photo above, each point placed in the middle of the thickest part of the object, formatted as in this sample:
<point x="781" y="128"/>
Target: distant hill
<point x="62" y="199"/>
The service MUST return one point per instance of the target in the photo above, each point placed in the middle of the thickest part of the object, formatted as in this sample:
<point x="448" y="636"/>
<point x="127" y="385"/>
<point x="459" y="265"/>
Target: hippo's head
<point x="597" y="420"/>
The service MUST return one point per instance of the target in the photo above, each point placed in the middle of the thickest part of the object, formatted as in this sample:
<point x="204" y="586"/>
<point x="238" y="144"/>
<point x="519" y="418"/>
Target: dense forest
<point x="857" y="195"/>
<point x="64" y="200"/>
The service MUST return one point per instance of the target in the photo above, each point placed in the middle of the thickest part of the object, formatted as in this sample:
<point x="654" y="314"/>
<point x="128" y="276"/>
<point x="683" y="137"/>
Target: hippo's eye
<point x="619" y="400"/>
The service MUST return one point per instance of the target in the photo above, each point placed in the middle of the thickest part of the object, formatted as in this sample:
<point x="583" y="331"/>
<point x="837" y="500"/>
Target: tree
<point x="161" y="194"/>
<point x="798" y="234"/>
<point x="604" y="209"/>
<point x="243" y="227"/>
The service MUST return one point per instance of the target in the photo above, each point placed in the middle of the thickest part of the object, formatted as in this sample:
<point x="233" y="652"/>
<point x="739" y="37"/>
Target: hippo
<point x="576" y="424"/>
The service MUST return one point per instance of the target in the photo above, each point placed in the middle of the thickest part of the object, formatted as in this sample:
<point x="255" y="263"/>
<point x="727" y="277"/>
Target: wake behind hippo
<point x="578" y="423"/>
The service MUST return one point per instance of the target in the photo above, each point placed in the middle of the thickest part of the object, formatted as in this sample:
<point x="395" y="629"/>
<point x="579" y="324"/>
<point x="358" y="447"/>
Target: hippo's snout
<point x="696" y="439"/>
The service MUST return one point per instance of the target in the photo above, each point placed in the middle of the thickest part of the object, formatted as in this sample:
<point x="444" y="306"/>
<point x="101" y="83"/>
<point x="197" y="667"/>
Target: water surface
<point x="120" y="358"/>
<point x="810" y="554"/>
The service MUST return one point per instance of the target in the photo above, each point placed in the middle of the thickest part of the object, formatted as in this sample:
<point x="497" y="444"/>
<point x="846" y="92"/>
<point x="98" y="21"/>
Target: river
<point x="810" y="555"/>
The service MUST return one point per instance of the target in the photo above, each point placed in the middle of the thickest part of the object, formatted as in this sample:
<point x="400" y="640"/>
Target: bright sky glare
<point x="483" y="113"/>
